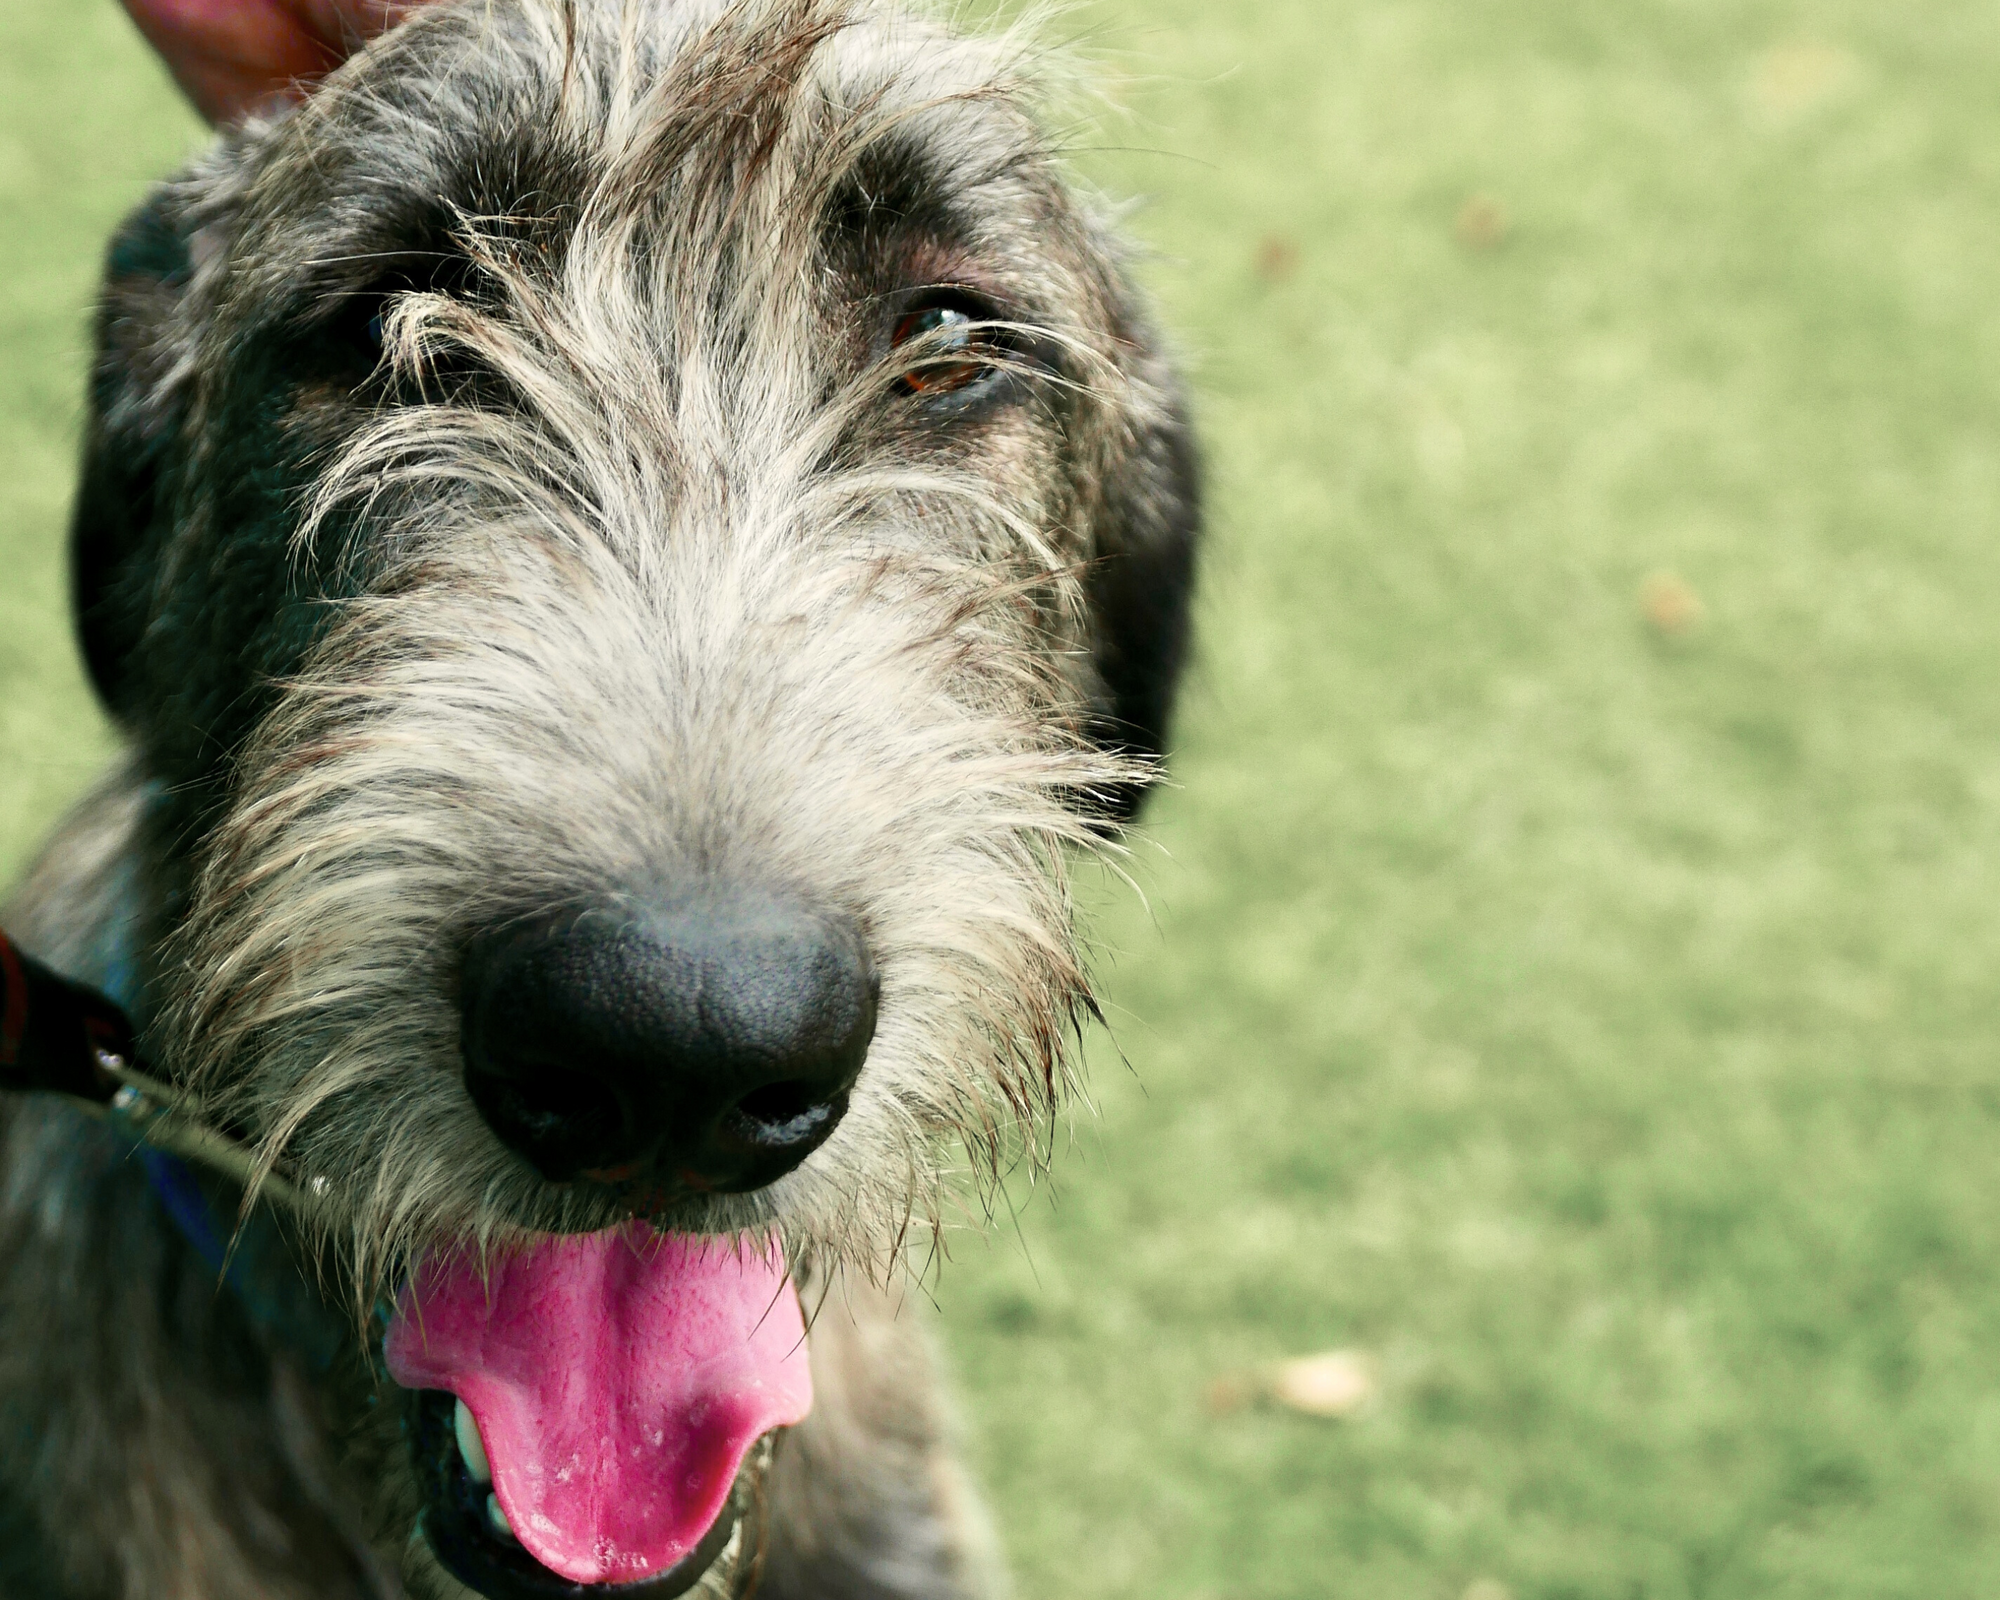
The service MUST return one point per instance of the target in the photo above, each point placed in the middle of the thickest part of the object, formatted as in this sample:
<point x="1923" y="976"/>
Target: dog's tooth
<point x="498" y="1518"/>
<point x="471" y="1448"/>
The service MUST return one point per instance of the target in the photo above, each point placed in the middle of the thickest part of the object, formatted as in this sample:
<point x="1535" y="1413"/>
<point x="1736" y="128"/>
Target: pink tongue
<point x="617" y="1378"/>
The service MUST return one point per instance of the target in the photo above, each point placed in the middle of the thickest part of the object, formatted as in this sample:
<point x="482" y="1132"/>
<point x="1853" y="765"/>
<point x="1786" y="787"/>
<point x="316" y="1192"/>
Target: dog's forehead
<point x="528" y="116"/>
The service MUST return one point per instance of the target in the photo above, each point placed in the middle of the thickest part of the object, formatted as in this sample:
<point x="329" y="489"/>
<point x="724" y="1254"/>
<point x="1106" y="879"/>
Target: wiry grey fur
<point x="630" y="568"/>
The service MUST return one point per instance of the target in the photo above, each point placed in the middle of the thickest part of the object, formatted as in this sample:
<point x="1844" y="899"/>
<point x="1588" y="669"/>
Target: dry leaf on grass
<point x="1482" y="223"/>
<point x="1230" y="1392"/>
<point x="1334" y="1383"/>
<point x="1277" y="258"/>
<point x="1670" y="605"/>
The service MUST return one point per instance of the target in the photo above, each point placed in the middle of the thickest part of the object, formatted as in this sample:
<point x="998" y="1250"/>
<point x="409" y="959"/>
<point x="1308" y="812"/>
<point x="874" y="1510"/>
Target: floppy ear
<point x="132" y="430"/>
<point x="1141" y="583"/>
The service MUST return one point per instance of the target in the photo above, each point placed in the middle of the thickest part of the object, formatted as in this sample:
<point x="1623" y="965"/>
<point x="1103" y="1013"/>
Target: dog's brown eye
<point x="955" y="352"/>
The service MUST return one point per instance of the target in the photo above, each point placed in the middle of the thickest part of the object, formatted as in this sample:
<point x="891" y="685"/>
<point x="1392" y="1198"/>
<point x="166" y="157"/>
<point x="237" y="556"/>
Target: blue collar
<point x="251" y="1257"/>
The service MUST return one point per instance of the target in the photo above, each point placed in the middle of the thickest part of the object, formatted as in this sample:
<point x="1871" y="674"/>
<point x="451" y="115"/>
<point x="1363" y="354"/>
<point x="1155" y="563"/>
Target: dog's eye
<point x="953" y="346"/>
<point x="353" y="330"/>
<point x="365" y="324"/>
<point x="356" y="326"/>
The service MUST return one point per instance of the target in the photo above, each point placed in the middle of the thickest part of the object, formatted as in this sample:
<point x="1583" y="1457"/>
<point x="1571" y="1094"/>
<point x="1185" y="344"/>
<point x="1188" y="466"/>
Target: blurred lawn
<point x="1588" y="1018"/>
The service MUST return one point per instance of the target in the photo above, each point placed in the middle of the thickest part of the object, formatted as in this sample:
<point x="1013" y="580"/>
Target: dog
<point x="634" y="545"/>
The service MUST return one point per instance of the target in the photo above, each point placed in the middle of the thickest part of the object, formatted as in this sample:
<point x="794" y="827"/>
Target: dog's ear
<point x="132" y="429"/>
<point x="1148" y="527"/>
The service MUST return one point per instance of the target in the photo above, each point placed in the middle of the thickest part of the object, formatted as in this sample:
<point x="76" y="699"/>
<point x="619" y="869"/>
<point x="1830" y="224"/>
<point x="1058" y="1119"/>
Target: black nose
<point x="711" y="1040"/>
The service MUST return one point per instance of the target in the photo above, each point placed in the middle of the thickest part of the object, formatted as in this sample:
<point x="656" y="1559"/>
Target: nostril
<point x="533" y="1055"/>
<point x="562" y="1120"/>
<point x="556" y="1103"/>
<point x="777" y="1102"/>
<point x="787" y="1113"/>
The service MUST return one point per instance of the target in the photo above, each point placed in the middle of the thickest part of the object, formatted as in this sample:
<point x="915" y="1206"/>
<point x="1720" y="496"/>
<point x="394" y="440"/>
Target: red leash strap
<point x="13" y="1003"/>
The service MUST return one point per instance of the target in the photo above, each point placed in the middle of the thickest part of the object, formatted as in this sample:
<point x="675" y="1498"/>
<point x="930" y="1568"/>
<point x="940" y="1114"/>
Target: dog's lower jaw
<point x="161" y="1447"/>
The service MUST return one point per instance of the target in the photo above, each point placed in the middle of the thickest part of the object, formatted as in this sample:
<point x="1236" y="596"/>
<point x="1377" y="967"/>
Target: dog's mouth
<point x="475" y="1542"/>
<point x="588" y="1413"/>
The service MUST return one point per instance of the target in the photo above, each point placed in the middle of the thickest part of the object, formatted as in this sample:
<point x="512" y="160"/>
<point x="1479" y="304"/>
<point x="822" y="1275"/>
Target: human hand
<point x="234" y="55"/>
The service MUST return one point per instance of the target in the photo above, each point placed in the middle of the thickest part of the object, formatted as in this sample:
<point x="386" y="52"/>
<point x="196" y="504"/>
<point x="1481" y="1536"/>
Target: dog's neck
<point x="173" y="1424"/>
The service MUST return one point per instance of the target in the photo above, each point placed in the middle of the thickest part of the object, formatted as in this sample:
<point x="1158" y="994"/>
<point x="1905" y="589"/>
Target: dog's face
<point x="634" y="538"/>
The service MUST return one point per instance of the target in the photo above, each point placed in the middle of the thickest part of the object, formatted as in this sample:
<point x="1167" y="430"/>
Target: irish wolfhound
<point x="632" y="540"/>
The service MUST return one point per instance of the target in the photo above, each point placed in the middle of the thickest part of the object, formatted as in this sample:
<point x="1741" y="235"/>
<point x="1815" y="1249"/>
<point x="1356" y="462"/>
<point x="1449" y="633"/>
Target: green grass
<point x="1593" y="1025"/>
